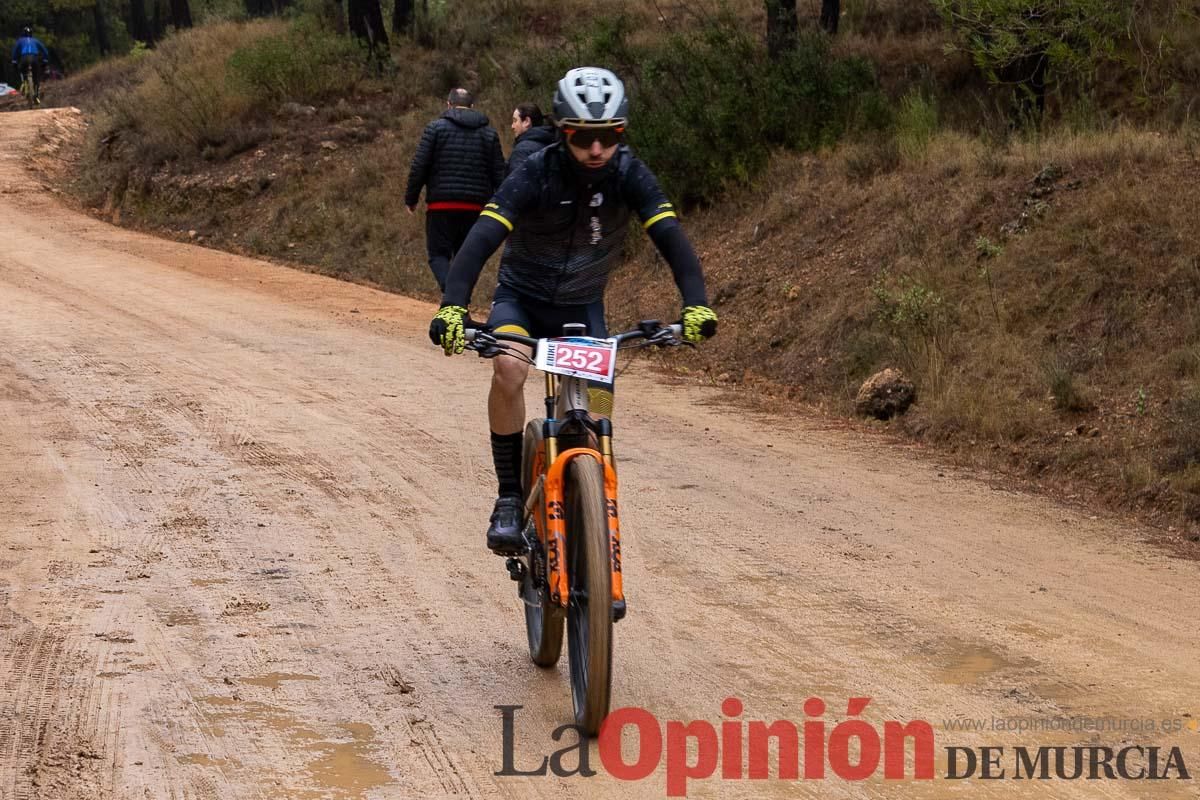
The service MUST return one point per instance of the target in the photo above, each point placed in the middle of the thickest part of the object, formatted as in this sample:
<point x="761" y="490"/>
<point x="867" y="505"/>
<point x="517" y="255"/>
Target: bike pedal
<point x="618" y="610"/>
<point x="516" y="569"/>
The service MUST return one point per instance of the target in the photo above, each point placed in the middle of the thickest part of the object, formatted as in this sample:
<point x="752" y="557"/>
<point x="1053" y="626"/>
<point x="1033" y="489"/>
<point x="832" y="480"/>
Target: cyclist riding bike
<point x="30" y="55"/>
<point x="567" y="209"/>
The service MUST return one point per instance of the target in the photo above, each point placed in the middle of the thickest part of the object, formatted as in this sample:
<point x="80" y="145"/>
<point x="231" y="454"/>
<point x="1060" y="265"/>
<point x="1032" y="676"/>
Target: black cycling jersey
<point x="568" y="225"/>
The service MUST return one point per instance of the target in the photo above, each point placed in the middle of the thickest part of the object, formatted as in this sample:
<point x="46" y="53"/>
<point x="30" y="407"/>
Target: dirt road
<point x="241" y="556"/>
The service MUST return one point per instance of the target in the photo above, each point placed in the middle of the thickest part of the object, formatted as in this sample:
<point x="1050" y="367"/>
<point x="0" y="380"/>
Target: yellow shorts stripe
<point x="512" y="329"/>
<point x="494" y="215"/>
<point x="654" y="219"/>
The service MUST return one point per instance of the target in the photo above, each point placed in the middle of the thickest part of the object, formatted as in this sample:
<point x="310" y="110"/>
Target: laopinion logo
<point x="633" y="744"/>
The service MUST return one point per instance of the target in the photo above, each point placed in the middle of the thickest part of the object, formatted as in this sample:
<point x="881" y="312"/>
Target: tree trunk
<point x="181" y="13"/>
<point x="831" y="11"/>
<point x="157" y="25"/>
<point x="139" y="28"/>
<point x="402" y="16"/>
<point x="101" y="31"/>
<point x="366" y="22"/>
<point x="782" y="26"/>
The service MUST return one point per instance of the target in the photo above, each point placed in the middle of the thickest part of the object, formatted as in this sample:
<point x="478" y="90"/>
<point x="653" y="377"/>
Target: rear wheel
<point x="589" y="611"/>
<point x="27" y="89"/>
<point x="543" y="619"/>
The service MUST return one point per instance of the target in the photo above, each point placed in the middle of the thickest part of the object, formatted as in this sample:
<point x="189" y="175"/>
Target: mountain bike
<point x="570" y="572"/>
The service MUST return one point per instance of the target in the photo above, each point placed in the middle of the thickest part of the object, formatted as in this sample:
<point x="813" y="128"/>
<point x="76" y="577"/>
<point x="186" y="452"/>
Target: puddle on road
<point x="273" y="679"/>
<point x="202" y="760"/>
<point x="965" y="664"/>
<point x="335" y="769"/>
<point x="346" y="768"/>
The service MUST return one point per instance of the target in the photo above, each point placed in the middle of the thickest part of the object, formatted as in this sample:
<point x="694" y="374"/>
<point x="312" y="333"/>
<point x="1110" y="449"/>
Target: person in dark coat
<point x="531" y="132"/>
<point x="459" y="164"/>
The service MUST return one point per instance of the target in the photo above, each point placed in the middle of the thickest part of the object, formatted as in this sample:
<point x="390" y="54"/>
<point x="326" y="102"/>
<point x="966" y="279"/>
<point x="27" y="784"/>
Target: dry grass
<point x="180" y="99"/>
<point x="1077" y="311"/>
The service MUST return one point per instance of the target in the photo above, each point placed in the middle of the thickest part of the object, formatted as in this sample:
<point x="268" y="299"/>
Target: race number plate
<point x="578" y="356"/>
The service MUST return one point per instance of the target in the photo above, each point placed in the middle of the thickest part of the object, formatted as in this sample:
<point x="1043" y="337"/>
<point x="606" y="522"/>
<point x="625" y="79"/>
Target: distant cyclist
<point x="29" y="53"/>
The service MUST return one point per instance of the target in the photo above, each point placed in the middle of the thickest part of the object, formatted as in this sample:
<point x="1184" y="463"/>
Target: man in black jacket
<point x="532" y="132"/>
<point x="460" y="165"/>
<point x="564" y="212"/>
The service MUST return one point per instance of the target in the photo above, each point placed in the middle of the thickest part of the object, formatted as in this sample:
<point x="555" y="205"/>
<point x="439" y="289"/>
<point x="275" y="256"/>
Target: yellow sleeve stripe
<point x="654" y="219"/>
<point x="494" y="215"/>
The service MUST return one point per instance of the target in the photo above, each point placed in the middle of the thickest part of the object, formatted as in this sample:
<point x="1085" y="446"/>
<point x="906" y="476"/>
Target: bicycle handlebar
<point x="647" y="329"/>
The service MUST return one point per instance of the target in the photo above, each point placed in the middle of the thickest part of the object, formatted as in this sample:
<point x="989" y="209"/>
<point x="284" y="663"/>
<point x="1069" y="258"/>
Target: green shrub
<point x="1005" y="37"/>
<point x="1065" y="392"/>
<point x="179" y="104"/>
<point x="304" y="64"/>
<point x="920" y="323"/>
<point x="916" y="122"/>
<point x="709" y="104"/>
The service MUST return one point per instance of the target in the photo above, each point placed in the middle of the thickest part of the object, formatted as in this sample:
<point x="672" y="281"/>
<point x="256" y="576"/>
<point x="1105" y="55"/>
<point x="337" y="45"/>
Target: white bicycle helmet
<point x="591" y="97"/>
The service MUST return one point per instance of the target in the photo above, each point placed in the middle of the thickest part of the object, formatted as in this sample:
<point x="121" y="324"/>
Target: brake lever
<point x="664" y="338"/>
<point x="486" y="345"/>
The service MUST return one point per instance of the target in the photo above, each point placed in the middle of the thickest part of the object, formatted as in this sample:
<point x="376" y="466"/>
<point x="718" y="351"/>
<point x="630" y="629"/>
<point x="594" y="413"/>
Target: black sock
<point x="506" y="455"/>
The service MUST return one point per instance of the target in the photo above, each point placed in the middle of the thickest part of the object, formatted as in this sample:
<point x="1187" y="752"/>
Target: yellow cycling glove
<point x="446" y="329"/>
<point x="699" y="323"/>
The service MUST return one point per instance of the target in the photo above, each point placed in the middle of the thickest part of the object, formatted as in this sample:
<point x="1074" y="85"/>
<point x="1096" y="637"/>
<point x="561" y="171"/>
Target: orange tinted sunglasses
<point x="585" y="137"/>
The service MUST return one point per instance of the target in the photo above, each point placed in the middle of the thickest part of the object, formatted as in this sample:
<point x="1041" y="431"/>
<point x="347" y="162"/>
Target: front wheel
<point x="543" y="619"/>
<point x="589" y="611"/>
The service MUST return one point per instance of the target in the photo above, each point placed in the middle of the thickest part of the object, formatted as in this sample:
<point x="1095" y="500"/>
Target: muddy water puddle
<point x="272" y="680"/>
<point x="340" y="764"/>
<point x="346" y="768"/>
<point x="202" y="760"/>
<point x="965" y="664"/>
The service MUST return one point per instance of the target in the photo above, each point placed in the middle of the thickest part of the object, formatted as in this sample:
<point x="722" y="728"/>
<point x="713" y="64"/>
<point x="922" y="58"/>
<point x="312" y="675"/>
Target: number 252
<point x="588" y="361"/>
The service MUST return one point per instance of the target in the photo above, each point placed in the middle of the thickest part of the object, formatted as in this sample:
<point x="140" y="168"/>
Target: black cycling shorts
<point x="520" y="313"/>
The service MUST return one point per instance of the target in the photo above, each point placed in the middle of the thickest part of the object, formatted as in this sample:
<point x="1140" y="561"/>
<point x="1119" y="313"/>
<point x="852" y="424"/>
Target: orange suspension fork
<point x="556" y="523"/>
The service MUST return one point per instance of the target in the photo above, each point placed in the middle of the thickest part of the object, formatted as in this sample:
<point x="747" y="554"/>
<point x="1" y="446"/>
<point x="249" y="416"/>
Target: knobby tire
<point x="589" y="612"/>
<point x="543" y="620"/>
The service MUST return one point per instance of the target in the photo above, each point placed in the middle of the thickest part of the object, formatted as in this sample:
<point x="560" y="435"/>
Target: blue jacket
<point x="29" y="46"/>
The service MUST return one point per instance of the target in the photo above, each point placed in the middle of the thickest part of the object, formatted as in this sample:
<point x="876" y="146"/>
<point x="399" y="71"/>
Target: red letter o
<point x="649" y="743"/>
